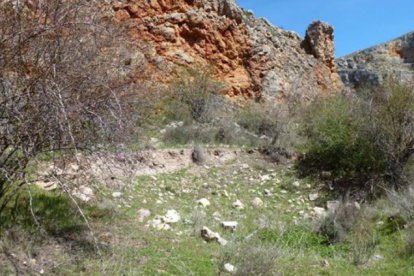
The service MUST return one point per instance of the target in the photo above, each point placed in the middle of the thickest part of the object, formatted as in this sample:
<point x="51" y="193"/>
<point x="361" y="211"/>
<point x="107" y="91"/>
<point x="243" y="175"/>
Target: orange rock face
<point x="254" y="59"/>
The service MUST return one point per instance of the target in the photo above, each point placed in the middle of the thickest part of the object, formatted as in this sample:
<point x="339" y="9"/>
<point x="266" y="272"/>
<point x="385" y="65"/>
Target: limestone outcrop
<point x="255" y="59"/>
<point x="373" y="65"/>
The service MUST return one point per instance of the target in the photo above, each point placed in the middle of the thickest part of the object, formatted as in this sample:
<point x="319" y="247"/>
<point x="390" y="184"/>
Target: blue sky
<point x="358" y="24"/>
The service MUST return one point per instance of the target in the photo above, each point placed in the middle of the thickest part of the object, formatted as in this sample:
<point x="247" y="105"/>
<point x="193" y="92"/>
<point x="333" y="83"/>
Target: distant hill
<point x="371" y="66"/>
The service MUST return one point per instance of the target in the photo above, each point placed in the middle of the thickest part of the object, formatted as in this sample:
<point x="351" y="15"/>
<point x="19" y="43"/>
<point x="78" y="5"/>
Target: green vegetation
<point x="360" y="140"/>
<point x="346" y="208"/>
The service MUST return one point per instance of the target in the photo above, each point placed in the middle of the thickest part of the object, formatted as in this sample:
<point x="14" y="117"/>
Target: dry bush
<point x="59" y="84"/>
<point x="200" y="94"/>
<point x="350" y="224"/>
<point x="409" y="241"/>
<point x="251" y="258"/>
<point x="339" y="222"/>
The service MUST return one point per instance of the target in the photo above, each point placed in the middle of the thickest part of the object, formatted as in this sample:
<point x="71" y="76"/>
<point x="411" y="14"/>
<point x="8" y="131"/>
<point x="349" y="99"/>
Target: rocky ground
<point x="233" y="212"/>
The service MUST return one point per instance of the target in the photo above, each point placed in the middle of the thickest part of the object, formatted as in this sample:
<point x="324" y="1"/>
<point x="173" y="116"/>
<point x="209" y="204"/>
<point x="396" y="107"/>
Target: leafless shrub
<point x="60" y="87"/>
<point x="252" y="258"/>
<point x="409" y="240"/>
<point x="337" y="223"/>
<point x="198" y="90"/>
<point x="402" y="203"/>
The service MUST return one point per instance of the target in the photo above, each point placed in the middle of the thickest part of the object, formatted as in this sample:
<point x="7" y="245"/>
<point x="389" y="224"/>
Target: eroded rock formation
<point x="255" y="59"/>
<point x="371" y="66"/>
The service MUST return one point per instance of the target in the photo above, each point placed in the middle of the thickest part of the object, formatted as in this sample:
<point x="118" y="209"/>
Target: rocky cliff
<point x="254" y="58"/>
<point x="371" y="66"/>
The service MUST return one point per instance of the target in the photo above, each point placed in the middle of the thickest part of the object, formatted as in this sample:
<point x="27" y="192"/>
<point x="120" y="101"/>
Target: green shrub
<point x="339" y="140"/>
<point x="361" y="139"/>
<point x="258" y="119"/>
<point x="220" y="133"/>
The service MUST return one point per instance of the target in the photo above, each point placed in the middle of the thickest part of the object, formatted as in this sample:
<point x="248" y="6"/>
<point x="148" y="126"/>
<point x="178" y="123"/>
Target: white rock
<point x="245" y="166"/>
<point x="296" y="184"/>
<point x="47" y="186"/>
<point x="224" y="193"/>
<point x="377" y="257"/>
<point x="203" y="202"/>
<point x="313" y="197"/>
<point x="159" y="224"/>
<point x="143" y="214"/>
<point x="172" y="216"/>
<point x="320" y="212"/>
<point x="83" y="193"/>
<point x="267" y="192"/>
<point x="210" y="236"/>
<point x="238" y="205"/>
<point x="265" y="177"/>
<point x="283" y="191"/>
<point x="257" y="203"/>
<point x="229" y="268"/>
<point x="229" y="225"/>
<point x="116" y="194"/>
<point x="217" y="215"/>
<point x="332" y="205"/>
<point x="75" y="167"/>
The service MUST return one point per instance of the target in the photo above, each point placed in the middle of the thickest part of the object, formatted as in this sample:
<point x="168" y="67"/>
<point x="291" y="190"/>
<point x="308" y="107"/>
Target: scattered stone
<point x="320" y="212"/>
<point x="283" y="191"/>
<point x="83" y="193"/>
<point x="204" y="202"/>
<point x="296" y="184"/>
<point x="143" y="214"/>
<point x="377" y="257"/>
<point x="265" y="177"/>
<point x="159" y="224"/>
<point x="210" y="236"/>
<point x="238" y="205"/>
<point x="332" y="205"/>
<point x="229" y="225"/>
<point x="267" y="192"/>
<point x="257" y="203"/>
<point x="313" y="197"/>
<point x="47" y="186"/>
<point x="172" y="216"/>
<point x="324" y="263"/>
<point x="245" y="166"/>
<point x="224" y="193"/>
<point x="229" y="268"/>
<point x="116" y="194"/>
<point x="216" y="215"/>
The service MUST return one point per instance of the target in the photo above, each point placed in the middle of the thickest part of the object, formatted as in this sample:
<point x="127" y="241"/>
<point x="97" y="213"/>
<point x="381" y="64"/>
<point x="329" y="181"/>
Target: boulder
<point x="210" y="236"/>
<point x="172" y="216"/>
<point x="204" y="202"/>
<point x="229" y="225"/>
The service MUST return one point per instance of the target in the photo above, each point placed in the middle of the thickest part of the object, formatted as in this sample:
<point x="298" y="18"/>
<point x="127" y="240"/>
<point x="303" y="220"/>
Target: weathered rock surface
<point x="210" y="236"/>
<point x="371" y="66"/>
<point x="255" y="59"/>
<point x="84" y="193"/>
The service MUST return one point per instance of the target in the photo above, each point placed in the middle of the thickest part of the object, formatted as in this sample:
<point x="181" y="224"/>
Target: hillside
<point x="188" y="137"/>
